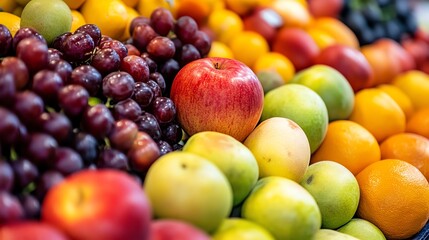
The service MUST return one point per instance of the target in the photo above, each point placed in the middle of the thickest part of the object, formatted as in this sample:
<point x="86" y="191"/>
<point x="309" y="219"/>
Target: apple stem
<point x="216" y="65"/>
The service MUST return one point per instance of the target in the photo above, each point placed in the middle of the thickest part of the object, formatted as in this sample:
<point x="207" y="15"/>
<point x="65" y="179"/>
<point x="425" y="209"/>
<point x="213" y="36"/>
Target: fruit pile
<point x="213" y="119"/>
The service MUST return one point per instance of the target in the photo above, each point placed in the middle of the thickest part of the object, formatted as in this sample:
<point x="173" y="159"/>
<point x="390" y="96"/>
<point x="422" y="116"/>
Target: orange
<point x="400" y="98"/>
<point x="349" y="144"/>
<point x="131" y="14"/>
<point x="248" y="46"/>
<point x="241" y="7"/>
<point x="337" y="29"/>
<point x="8" y="5"/>
<point x="293" y="13"/>
<point x="74" y="4"/>
<point x="131" y="3"/>
<point x="394" y="195"/>
<point x="11" y="21"/>
<point x="415" y="84"/>
<point x="146" y="7"/>
<point x="419" y="122"/>
<point x="409" y="147"/>
<point x="279" y="63"/>
<point x="322" y="38"/>
<point x="225" y="24"/>
<point x="78" y="20"/>
<point x="376" y="111"/>
<point x="220" y="49"/>
<point x="199" y="10"/>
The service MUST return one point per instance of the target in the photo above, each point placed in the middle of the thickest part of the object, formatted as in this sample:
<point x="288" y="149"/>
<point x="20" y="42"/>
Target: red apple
<point x="217" y="94"/>
<point x="297" y="45"/>
<point x="418" y="49"/>
<point x="167" y="229"/>
<point x="325" y="8"/>
<point x="263" y="20"/>
<point x="99" y="205"/>
<point x="30" y="230"/>
<point x="348" y="61"/>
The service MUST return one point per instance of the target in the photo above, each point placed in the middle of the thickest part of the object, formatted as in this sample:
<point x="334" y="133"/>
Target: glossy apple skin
<point x="99" y="205"/>
<point x="348" y="61"/>
<point x="325" y="8"/>
<point x="27" y="230"/>
<point x="217" y="94"/>
<point x="265" y="21"/>
<point x="167" y="229"/>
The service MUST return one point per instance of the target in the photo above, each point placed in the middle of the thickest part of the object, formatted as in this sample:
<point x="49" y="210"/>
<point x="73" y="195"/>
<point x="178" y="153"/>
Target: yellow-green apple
<point x="283" y="207"/>
<point x="240" y="228"/>
<point x="362" y="229"/>
<point x="26" y="230"/>
<point x="217" y="94"/>
<point x="302" y="105"/>
<point x="350" y="62"/>
<point x="325" y="8"/>
<point x="186" y="186"/>
<point x="336" y="191"/>
<point x="168" y="229"/>
<point x="280" y="147"/>
<point x="234" y="159"/>
<point x="329" y="234"/>
<point x="297" y="45"/>
<point x="263" y="20"/>
<point x="99" y="205"/>
<point x="331" y="86"/>
<point x="269" y="79"/>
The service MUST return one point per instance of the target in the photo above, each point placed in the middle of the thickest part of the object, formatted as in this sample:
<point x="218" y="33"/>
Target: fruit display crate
<point x="214" y="119"/>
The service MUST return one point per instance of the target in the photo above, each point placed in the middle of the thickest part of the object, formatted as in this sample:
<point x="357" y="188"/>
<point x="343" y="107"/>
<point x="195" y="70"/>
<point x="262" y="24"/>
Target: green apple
<point x="188" y="187"/>
<point x="283" y="207"/>
<point x="269" y="80"/>
<point x="302" y="105"/>
<point x="336" y="191"/>
<point x="362" y="229"/>
<point x="332" y="87"/>
<point x="281" y="148"/>
<point x="242" y="229"/>
<point x="234" y="159"/>
<point x="329" y="234"/>
<point x="50" y="18"/>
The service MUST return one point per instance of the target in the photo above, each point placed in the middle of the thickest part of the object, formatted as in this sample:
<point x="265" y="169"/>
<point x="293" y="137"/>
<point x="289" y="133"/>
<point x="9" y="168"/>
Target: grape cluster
<point x="88" y="101"/>
<point x="372" y="20"/>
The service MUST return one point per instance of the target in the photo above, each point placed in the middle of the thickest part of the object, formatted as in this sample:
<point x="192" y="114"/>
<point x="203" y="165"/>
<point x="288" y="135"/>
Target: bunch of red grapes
<point x="88" y="101"/>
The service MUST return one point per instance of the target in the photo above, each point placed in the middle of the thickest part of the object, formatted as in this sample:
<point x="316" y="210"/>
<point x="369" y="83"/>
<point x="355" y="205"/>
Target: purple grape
<point x="67" y="161"/>
<point x="25" y="172"/>
<point x="73" y="99"/>
<point x="58" y="42"/>
<point x="127" y="109"/>
<point x="24" y="33"/>
<point x="33" y="53"/>
<point x="46" y="84"/>
<point x="54" y="54"/>
<point x="112" y="158"/>
<point x="18" y="69"/>
<point x="47" y="180"/>
<point x="169" y="69"/>
<point x="132" y="50"/>
<point x="188" y="53"/>
<point x="28" y="106"/>
<point x="123" y="134"/>
<point x="186" y="28"/>
<point x="162" y="21"/>
<point x="156" y="89"/>
<point x="6" y="176"/>
<point x="159" y="79"/>
<point x="137" y="21"/>
<point x="148" y="123"/>
<point x="10" y="208"/>
<point x="104" y="38"/>
<point x="164" y="147"/>
<point x="55" y="124"/>
<point x="9" y="127"/>
<point x="5" y="41"/>
<point x="137" y="67"/>
<point x="40" y="149"/>
<point x="63" y="68"/>
<point x="92" y="30"/>
<point x="98" y="121"/>
<point x="87" y="146"/>
<point x="143" y="153"/>
<point x="172" y="133"/>
<point x="118" y="85"/>
<point x="88" y="77"/>
<point x="202" y="42"/>
<point x="77" y="47"/>
<point x="142" y="35"/>
<point x="7" y="87"/>
<point x="31" y="206"/>
<point x="117" y="46"/>
<point x="153" y="67"/>
<point x="161" y="48"/>
<point x="106" y="60"/>
<point x="163" y="109"/>
<point x="143" y="94"/>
